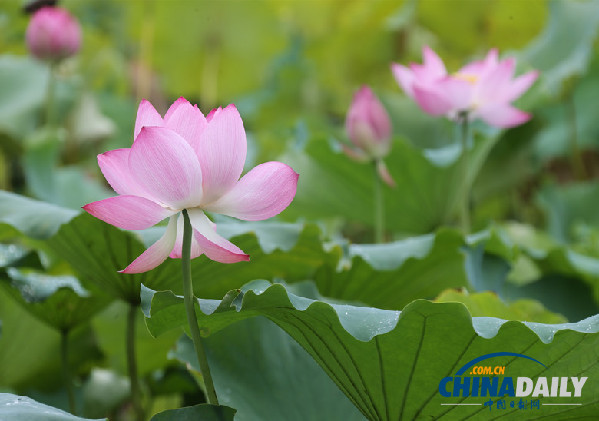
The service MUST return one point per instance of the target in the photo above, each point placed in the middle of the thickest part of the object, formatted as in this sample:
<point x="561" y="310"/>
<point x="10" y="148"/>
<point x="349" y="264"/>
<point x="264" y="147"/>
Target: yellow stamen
<point x="470" y="78"/>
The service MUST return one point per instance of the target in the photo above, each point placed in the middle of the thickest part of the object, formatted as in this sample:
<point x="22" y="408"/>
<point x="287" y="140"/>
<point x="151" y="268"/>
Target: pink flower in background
<point x="368" y="127"/>
<point x="484" y="89"/>
<point x="53" y="34"/>
<point x="188" y="161"/>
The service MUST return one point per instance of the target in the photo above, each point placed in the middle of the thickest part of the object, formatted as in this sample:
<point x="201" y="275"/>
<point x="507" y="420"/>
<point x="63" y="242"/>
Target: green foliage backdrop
<point x="321" y="323"/>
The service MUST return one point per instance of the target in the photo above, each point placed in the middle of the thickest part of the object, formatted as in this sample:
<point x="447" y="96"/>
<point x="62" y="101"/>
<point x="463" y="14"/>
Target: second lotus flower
<point x="188" y="161"/>
<point x="53" y="34"/>
<point x="368" y="127"/>
<point x="482" y="89"/>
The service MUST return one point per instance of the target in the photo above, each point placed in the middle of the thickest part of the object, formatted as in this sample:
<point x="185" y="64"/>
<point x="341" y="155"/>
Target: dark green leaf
<point x="428" y="184"/>
<point x="488" y="304"/>
<point x="59" y="301"/>
<point x="203" y="412"/>
<point x="569" y="205"/>
<point x="29" y="349"/>
<point x="392" y="275"/>
<point x="288" y="251"/>
<point x="564" y="48"/>
<point x="15" y="256"/>
<point x="563" y="279"/>
<point x="97" y="251"/>
<point x="33" y="218"/>
<point x="22" y="408"/>
<point x="23" y="82"/>
<point x="291" y="386"/>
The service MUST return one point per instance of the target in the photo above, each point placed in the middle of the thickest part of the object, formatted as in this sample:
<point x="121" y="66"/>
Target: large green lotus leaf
<point x="488" y="304"/>
<point x="23" y="81"/>
<point x="29" y="349"/>
<point x="565" y="46"/>
<point x="388" y="363"/>
<point x="31" y="217"/>
<point x="569" y="205"/>
<point x="567" y="295"/>
<point x="576" y="112"/>
<point x="16" y="256"/>
<point x="70" y="186"/>
<point x="510" y="157"/>
<point x="288" y="377"/>
<point x="544" y="254"/>
<point x="392" y="275"/>
<point x="518" y="261"/>
<point x="202" y="412"/>
<point x="60" y="301"/>
<point x="567" y="262"/>
<point x="21" y="362"/>
<point x="22" y="408"/>
<point x="97" y="251"/>
<point x="42" y="150"/>
<point x="509" y="240"/>
<point x="122" y="112"/>
<point x="428" y="184"/>
<point x="295" y="263"/>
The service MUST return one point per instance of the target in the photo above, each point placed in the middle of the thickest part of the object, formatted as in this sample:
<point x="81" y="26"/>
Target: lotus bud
<point x="53" y="34"/>
<point x="367" y="124"/>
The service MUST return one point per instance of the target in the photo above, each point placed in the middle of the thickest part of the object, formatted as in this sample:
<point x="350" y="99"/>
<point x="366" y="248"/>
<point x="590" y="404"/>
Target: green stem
<point x="50" y="95"/>
<point x="66" y="371"/>
<point x="190" y="310"/>
<point x="575" y="154"/>
<point x="465" y="199"/>
<point x="379" y="210"/>
<point x="132" y="363"/>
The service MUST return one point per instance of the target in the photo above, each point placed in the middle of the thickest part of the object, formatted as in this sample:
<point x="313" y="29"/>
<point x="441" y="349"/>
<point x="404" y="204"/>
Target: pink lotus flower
<point x="368" y="125"/>
<point x="53" y="34"/>
<point x="368" y="128"/>
<point x="188" y="161"/>
<point x="482" y="89"/>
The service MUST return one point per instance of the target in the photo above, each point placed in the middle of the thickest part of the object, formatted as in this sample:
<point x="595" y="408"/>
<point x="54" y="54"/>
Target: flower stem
<point x="575" y="153"/>
<point x="379" y="210"/>
<point x="132" y="363"/>
<point x="465" y="199"/>
<point x="190" y="310"/>
<point x="50" y="95"/>
<point x="66" y="370"/>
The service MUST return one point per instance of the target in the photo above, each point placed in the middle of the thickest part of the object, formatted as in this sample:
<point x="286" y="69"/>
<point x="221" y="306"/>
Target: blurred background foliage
<point x="292" y="67"/>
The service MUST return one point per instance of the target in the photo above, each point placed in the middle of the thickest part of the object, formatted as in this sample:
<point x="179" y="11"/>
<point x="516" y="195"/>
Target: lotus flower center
<point x="467" y="77"/>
